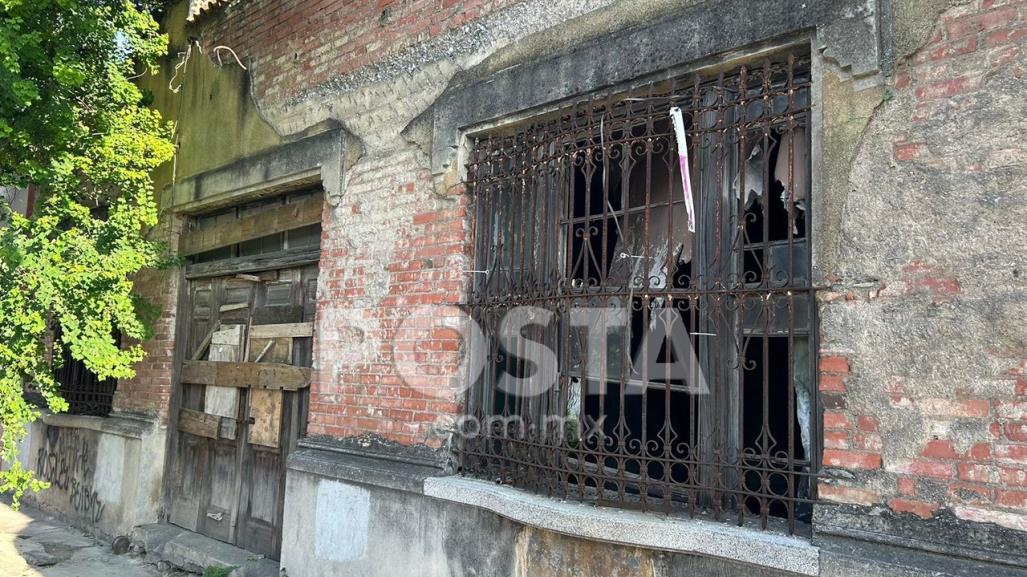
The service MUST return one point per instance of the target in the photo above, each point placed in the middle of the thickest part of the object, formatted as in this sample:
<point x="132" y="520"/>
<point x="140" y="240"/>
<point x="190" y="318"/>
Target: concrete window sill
<point x="632" y="528"/>
<point x="130" y="428"/>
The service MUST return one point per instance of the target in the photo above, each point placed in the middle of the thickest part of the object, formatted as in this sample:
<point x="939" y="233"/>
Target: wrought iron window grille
<point x="583" y="210"/>
<point x="85" y="393"/>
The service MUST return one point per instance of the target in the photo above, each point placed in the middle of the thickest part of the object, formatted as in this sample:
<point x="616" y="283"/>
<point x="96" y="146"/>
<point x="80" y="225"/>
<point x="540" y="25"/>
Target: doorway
<point x="244" y="355"/>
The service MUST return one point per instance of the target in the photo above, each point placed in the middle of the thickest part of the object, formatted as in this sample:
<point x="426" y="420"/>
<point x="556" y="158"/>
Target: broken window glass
<point x="700" y="395"/>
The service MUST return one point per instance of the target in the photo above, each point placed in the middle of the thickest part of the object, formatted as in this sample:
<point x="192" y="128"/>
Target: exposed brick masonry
<point x="295" y="45"/>
<point x="149" y="392"/>
<point x="984" y="480"/>
<point x="371" y="324"/>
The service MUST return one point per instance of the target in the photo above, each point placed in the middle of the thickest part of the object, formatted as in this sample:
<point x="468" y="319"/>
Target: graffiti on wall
<point x="67" y="460"/>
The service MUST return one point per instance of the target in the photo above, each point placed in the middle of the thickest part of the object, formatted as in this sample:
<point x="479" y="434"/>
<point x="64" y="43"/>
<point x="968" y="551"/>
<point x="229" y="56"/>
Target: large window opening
<point x="277" y="226"/>
<point x="700" y="396"/>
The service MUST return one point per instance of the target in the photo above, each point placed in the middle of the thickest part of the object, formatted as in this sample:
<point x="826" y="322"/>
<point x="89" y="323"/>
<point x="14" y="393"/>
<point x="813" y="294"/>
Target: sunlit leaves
<point x="73" y="125"/>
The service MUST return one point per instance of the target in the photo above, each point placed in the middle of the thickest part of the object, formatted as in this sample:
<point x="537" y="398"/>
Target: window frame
<point x="504" y="139"/>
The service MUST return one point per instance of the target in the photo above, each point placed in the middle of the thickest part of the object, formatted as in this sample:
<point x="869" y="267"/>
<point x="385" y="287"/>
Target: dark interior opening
<point x="772" y="439"/>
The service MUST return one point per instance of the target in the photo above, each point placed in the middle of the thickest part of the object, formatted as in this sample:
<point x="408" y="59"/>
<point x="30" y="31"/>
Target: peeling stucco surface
<point x="929" y="253"/>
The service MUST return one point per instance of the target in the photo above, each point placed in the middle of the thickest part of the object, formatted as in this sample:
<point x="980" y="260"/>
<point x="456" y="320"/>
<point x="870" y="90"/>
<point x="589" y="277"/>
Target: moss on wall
<point x="216" y="120"/>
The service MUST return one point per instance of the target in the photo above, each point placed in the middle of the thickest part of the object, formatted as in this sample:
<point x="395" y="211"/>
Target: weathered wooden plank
<point x="225" y="345"/>
<point x="266" y="412"/>
<point x="205" y="342"/>
<point x="279" y="219"/>
<point x="279" y="293"/>
<point x="221" y="400"/>
<point x="246" y="375"/>
<point x="196" y="372"/>
<point x="256" y="263"/>
<point x="282" y="330"/>
<point x="221" y="490"/>
<point x="277" y="350"/>
<point x="277" y="315"/>
<point x="265" y="376"/>
<point x="198" y="423"/>
<point x="233" y="307"/>
<point x="230" y="337"/>
<point x="264" y="351"/>
<point x="228" y="428"/>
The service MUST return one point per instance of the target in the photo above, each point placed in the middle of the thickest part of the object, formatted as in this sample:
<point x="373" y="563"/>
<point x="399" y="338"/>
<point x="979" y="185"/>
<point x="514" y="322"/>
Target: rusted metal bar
<point x="584" y="209"/>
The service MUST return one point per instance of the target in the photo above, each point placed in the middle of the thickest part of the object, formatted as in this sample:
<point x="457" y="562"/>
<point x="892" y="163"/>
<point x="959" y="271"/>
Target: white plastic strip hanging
<point x="686" y="177"/>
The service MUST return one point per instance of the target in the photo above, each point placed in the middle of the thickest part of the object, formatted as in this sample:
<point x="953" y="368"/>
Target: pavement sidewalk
<point x="34" y="544"/>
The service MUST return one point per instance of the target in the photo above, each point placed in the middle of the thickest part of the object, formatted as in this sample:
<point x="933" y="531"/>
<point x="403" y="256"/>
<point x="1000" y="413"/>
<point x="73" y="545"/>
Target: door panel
<point x="262" y="497"/>
<point x="231" y="487"/>
<point x="218" y="510"/>
<point x="191" y="467"/>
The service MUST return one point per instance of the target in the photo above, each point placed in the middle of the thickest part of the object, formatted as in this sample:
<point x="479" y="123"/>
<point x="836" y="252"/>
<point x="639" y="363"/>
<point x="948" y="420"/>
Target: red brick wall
<point x="150" y="391"/>
<point x="391" y="269"/>
<point x="985" y="480"/>
<point x="294" y="45"/>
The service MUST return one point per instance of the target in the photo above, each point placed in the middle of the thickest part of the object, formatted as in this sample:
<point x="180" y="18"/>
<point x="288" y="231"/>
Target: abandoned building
<point x="404" y="226"/>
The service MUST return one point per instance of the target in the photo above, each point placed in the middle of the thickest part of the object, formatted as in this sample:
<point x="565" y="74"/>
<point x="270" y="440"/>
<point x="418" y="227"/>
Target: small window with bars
<point x="85" y="393"/>
<point x="699" y="397"/>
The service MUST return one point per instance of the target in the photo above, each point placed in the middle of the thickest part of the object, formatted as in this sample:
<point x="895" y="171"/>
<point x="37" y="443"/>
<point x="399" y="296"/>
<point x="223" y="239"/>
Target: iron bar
<point x="583" y="209"/>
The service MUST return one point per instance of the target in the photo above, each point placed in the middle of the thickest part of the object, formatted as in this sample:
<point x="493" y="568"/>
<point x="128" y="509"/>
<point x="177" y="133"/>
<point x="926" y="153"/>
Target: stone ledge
<point x="632" y="528"/>
<point x="367" y="470"/>
<point x="123" y="426"/>
<point x="305" y="161"/>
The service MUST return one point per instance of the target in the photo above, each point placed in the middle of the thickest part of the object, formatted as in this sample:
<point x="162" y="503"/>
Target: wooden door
<point x="241" y="403"/>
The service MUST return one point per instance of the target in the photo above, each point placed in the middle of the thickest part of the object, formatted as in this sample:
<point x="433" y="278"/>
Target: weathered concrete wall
<point x="923" y="324"/>
<point x="346" y="517"/>
<point x="102" y="472"/>
<point x="353" y="515"/>
<point x="216" y="121"/>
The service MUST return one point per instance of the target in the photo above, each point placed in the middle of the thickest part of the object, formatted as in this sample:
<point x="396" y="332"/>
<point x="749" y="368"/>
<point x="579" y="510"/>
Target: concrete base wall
<point x="353" y="515"/>
<point x="338" y="527"/>
<point x="104" y="473"/>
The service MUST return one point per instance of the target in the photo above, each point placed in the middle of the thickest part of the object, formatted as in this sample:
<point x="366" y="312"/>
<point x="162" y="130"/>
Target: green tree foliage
<point x="74" y="125"/>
